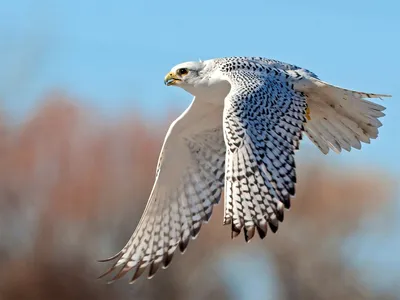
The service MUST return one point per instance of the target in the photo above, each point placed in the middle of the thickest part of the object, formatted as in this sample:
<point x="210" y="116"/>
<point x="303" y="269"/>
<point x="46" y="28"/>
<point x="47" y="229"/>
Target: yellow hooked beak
<point x="171" y="79"/>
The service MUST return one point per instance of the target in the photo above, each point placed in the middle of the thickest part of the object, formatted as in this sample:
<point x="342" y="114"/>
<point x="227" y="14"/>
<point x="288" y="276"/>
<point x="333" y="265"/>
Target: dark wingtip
<point x="234" y="234"/>
<point x="183" y="244"/>
<point x="261" y="232"/>
<point x="249" y="233"/>
<point x="274" y="228"/>
<point x="280" y="215"/>
<point x="195" y="231"/>
<point x="208" y="217"/>
<point x="235" y="231"/>
<point x="112" y="268"/>
<point x="121" y="273"/>
<point x="153" y="269"/>
<point x="139" y="271"/>
<point x="292" y="189"/>
<point x="110" y="258"/>
<point x="167" y="259"/>
<point x="107" y="272"/>
<point x="286" y="202"/>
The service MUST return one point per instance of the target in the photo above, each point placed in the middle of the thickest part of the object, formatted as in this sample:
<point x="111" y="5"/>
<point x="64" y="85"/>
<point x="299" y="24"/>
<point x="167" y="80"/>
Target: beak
<point x="170" y="79"/>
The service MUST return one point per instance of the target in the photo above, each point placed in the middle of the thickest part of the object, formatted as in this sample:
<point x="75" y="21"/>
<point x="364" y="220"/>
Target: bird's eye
<point x="182" y="71"/>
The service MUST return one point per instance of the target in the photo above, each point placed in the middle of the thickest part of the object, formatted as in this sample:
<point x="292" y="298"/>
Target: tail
<point x="339" y="118"/>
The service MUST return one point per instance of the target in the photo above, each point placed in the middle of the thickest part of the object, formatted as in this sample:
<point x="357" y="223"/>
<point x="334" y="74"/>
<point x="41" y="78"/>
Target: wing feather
<point x="263" y="124"/>
<point x="189" y="180"/>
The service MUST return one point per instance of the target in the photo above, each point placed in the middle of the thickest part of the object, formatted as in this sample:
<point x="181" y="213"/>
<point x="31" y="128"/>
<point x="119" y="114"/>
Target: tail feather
<point x="315" y="135"/>
<point x="341" y="118"/>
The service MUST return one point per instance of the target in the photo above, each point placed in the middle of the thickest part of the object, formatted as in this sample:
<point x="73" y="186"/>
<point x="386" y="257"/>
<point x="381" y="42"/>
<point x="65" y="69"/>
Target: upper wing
<point x="189" y="180"/>
<point x="278" y="65"/>
<point x="263" y="123"/>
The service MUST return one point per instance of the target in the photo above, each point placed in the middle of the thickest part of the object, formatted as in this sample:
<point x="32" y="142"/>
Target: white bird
<point x="239" y="134"/>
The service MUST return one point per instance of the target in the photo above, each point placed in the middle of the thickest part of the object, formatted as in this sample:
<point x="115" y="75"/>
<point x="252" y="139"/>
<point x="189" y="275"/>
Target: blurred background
<point x="83" y="114"/>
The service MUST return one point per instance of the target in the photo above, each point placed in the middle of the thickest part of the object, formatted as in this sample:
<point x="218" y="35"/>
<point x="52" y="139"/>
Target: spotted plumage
<point x="239" y="135"/>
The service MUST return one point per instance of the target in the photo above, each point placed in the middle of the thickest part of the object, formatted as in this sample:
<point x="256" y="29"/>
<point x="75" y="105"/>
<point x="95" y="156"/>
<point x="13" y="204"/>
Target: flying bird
<point x="239" y="135"/>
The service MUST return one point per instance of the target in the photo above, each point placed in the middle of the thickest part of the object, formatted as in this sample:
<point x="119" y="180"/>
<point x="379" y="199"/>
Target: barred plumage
<point x="240" y="133"/>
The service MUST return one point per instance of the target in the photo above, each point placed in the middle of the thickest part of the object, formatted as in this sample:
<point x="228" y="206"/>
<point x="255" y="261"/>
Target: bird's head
<point x="199" y="78"/>
<point x="186" y="75"/>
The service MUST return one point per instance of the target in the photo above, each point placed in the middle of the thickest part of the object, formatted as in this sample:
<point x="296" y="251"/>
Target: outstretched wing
<point x="189" y="180"/>
<point x="263" y="124"/>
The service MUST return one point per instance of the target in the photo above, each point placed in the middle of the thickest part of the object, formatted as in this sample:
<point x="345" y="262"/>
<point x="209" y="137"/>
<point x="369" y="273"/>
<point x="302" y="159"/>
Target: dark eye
<point x="182" y="71"/>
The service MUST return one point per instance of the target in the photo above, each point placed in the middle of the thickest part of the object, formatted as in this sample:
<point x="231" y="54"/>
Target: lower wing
<point x="188" y="183"/>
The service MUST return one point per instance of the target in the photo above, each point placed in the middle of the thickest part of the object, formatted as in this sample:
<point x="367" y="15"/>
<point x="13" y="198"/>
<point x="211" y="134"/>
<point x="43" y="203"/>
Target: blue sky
<point x="114" y="55"/>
